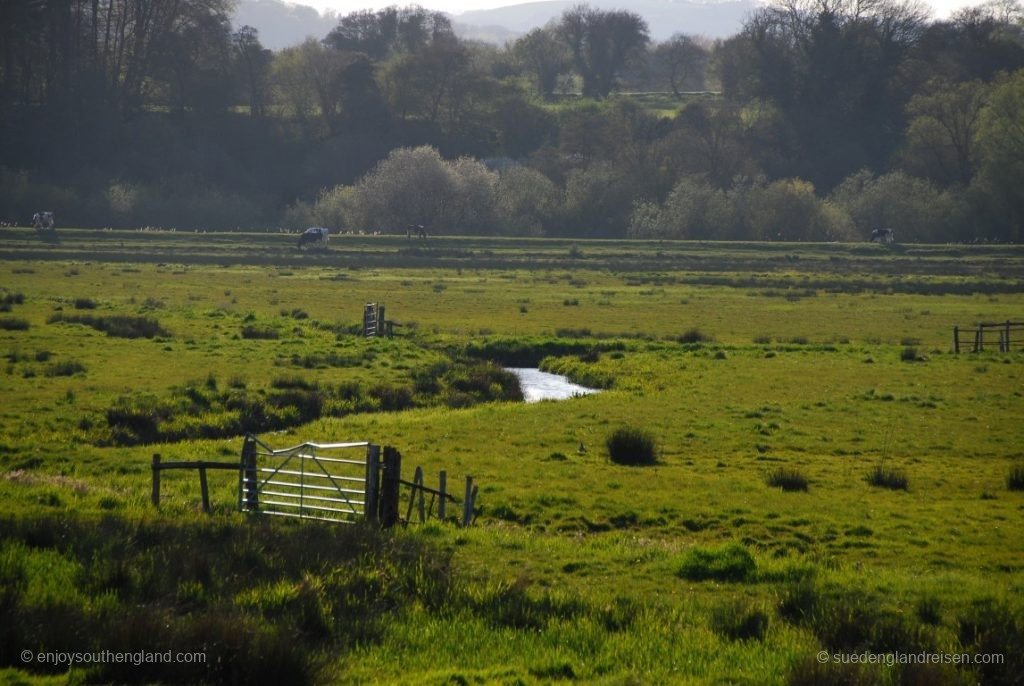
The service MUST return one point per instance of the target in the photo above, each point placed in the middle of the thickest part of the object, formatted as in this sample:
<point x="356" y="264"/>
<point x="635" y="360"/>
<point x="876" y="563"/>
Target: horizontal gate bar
<point x="332" y="459"/>
<point x="319" y="519"/>
<point x="353" y="511"/>
<point x="315" y="488"/>
<point x="312" y="474"/>
<point x="313" y="497"/>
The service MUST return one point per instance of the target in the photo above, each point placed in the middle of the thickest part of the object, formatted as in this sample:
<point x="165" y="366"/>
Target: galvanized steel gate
<point x="334" y="482"/>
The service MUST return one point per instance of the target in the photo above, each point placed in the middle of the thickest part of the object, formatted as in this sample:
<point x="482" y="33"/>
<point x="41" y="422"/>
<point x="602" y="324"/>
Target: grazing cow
<point x="418" y="229"/>
<point x="315" y="237"/>
<point x="882" y="236"/>
<point x="42" y="221"/>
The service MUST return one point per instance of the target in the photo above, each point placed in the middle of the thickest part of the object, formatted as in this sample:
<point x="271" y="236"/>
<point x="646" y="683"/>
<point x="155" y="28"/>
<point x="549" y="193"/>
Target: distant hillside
<point x="664" y="17"/>
<point x="282" y="24"/>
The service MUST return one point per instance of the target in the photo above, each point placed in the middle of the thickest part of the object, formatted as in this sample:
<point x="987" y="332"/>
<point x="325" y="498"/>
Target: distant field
<point x="833" y="361"/>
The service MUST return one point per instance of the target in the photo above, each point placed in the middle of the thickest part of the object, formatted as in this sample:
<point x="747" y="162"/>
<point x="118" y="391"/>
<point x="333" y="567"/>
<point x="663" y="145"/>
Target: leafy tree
<point x="544" y="56"/>
<point x="940" y="141"/>
<point x="254" y="68"/>
<point x="1001" y="140"/>
<point x="914" y="208"/>
<point x="600" y="43"/>
<point x="681" y="61"/>
<point x="526" y="201"/>
<point x="389" y="31"/>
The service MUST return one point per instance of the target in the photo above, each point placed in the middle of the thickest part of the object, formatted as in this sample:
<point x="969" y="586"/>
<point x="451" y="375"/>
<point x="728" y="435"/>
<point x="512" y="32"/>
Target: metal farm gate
<point x="334" y="482"/>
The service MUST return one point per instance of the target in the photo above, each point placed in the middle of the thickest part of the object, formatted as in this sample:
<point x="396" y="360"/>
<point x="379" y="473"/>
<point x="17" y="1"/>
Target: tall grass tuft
<point x="787" y="478"/>
<point x="1015" y="479"/>
<point x="888" y="477"/>
<point x="730" y="563"/>
<point x="693" y="336"/>
<point x="738" y="620"/>
<point x="117" y="326"/>
<point x="631" y="446"/>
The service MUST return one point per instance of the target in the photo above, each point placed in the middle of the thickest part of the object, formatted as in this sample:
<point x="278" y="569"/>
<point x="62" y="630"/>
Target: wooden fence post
<point x="467" y="504"/>
<point x="204" y="489"/>
<point x="250" y="495"/>
<point x="444" y="494"/>
<point x="956" y="340"/>
<point x="1007" y="337"/>
<point x="420" y="505"/>
<point x="156" y="480"/>
<point x="390" y="483"/>
<point x="371" y="499"/>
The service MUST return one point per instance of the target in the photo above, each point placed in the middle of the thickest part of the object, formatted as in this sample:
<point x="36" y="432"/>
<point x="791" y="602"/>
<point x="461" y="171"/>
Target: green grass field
<point x="833" y="362"/>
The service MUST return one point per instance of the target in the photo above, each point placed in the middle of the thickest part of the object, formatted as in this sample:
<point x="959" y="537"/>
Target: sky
<point x="941" y="8"/>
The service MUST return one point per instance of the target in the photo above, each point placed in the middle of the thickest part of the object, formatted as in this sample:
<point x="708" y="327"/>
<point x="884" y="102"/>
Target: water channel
<point x="538" y="385"/>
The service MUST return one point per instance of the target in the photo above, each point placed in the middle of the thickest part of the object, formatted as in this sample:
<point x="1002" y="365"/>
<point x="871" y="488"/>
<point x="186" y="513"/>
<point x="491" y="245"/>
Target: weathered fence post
<point x="156" y="480"/>
<point x="371" y="499"/>
<point x="978" y="340"/>
<point x="250" y="479"/>
<point x="956" y="340"/>
<point x="390" y="482"/>
<point x="444" y="494"/>
<point x="380" y="321"/>
<point x="467" y="504"/>
<point x="204" y="489"/>
<point x="1007" y="336"/>
<point x="418" y="480"/>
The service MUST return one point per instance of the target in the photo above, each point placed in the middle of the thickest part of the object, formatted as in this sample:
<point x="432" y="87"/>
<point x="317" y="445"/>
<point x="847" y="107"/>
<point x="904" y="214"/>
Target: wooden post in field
<point x="390" y="482"/>
<point x="250" y="478"/>
<point x="156" y="480"/>
<point x="978" y="340"/>
<point x="467" y="503"/>
<point x="444" y="494"/>
<point x="371" y="499"/>
<point x="204" y="489"/>
<point x="380" y="321"/>
<point x="956" y="340"/>
<point x="418" y="480"/>
<point x="1006" y="337"/>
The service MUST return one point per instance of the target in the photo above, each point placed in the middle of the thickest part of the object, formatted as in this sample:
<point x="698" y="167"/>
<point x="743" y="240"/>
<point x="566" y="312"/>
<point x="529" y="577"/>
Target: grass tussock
<point x="65" y="368"/>
<point x="13" y="324"/>
<point x="732" y="562"/>
<point x="888" y="477"/>
<point x="788" y="479"/>
<point x="631" y="446"/>
<point x="1015" y="479"/>
<point x="739" y="620"/>
<point x="259" y="333"/>
<point x="694" y="336"/>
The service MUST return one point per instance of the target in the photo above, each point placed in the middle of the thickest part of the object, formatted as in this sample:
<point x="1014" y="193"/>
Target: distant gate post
<point x="390" y="483"/>
<point x="956" y="340"/>
<point x="249" y="492"/>
<point x="371" y="501"/>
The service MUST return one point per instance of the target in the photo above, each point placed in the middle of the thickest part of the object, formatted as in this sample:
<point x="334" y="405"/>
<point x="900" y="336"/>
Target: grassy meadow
<point x="829" y="475"/>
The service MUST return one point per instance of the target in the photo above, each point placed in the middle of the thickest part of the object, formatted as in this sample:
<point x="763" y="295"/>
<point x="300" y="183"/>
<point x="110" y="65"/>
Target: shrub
<point x="117" y="326"/>
<point x="254" y="332"/>
<point x="887" y="477"/>
<point x="1015" y="479"/>
<point x="787" y="478"/>
<point x="85" y="304"/>
<point x="693" y="336"/>
<point x="631" y="446"/>
<point x="730" y="563"/>
<point x="909" y="354"/>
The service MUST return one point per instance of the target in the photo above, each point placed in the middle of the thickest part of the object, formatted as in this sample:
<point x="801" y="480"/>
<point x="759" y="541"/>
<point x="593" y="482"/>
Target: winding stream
<point x="538" y="385"/>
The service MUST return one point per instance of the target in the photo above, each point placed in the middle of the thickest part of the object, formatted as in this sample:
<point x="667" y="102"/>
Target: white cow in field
<point x="42" y="220"/>
<point x="315" y="237"/>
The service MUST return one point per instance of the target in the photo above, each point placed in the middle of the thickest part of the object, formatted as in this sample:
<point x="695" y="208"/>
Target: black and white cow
<point x="315" y="237"/>
<point x="42" y="221"/>
<point x="418" y="229"/>
<point x="883" y="236"/>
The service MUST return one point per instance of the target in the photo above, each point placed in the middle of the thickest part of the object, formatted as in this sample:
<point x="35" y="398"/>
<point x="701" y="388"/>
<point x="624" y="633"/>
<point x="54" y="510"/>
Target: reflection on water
<point x="538" y="385"/>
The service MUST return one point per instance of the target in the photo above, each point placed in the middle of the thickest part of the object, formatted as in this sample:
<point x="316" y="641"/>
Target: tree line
<point x="819" y="120"/>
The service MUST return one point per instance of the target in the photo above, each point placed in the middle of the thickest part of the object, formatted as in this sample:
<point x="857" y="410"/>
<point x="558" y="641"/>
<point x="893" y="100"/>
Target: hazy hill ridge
<point x="282" y="23"/>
